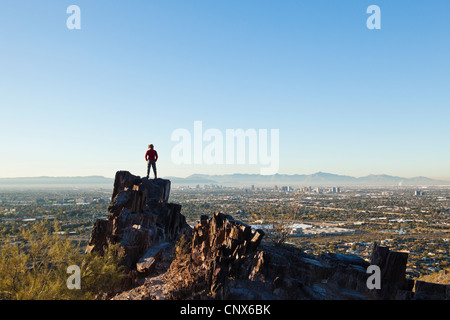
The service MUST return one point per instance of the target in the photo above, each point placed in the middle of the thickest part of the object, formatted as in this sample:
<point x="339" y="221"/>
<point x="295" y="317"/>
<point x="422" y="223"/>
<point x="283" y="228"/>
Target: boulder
<point x="429" y="291"/>
<point x="393" y="271"/>
<point x="147" y="262"/>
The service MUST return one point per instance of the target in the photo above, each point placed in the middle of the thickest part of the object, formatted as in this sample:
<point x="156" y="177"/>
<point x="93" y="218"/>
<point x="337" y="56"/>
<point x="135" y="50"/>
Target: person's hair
<point x="150" y="146"/>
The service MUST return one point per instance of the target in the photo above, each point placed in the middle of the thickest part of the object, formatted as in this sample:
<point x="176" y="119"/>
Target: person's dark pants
<point x="151" y="163"/>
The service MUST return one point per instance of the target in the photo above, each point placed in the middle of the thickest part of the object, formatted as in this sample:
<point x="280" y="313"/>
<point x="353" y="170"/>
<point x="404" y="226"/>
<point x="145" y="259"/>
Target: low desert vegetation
<point x="34" y="266"/>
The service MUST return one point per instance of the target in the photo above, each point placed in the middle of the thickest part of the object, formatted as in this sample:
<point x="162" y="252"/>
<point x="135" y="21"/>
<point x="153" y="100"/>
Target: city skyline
<point x="346" y="99"/>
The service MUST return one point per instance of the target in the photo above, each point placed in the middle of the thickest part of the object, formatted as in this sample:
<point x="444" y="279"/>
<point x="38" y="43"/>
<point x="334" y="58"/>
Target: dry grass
<point x="442" y="277"/>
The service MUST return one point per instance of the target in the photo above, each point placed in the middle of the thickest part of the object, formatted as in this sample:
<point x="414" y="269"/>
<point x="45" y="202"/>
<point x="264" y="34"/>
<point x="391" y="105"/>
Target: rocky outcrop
<point x="141" y="221"/>
<point x="222" y="258"/>
<point x="431" y="291"/>
<point x="226" y="259"/>
<point x="394" y="284"/>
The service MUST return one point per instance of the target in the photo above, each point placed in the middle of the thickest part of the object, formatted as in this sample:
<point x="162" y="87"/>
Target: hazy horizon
<point x="223" y="174"/>
<point x="142" y="173"/>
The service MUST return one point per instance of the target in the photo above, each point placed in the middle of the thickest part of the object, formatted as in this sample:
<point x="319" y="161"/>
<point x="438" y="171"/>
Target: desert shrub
<point x="33" y="266"/>
<point x="182" y="246"/>
<point x="279" y="232"/>
<point x="442" y="277"/>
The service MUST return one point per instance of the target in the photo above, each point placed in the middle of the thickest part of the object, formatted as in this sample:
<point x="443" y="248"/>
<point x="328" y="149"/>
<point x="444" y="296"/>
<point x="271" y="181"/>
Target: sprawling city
<point x="315" y="219"/>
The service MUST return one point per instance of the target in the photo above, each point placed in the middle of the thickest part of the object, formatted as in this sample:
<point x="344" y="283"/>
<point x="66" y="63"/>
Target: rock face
<point x="394" y="284"/>
<point x="222" y="258"/>
<point x="140" y="221"/>
<point x="225" y="259"/>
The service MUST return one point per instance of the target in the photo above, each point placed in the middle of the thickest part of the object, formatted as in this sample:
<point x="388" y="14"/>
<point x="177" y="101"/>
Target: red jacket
<point x="151" y="155"/>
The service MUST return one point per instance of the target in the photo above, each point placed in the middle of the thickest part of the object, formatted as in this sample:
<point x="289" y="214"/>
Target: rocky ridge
<point x="222" y="258"/>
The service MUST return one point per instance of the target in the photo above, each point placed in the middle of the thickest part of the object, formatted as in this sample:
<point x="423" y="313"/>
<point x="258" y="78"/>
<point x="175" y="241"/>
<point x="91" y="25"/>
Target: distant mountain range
<point x="316" y="179"/>
<point x="90" y="180"/>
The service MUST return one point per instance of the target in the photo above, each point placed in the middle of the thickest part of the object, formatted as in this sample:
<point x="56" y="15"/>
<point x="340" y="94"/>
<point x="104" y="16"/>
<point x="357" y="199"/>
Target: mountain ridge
<point x="315" y="179"/>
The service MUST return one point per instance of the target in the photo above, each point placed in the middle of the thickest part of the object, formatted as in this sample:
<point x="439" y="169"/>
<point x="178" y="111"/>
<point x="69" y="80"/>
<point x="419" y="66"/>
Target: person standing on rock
<point x="151" y="156"/>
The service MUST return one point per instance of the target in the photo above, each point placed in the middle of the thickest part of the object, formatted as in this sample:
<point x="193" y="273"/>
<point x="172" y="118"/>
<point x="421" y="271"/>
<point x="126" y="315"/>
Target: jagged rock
<point x="99" y="235"/>
<point x="140" y="220"/>
<point x="430" y="291"/>
<point x="230" y="262"/>
<point x="124" y="180"/>
<point x="227" y="259"/>
<point x="393" y="271"/>
<point x="335" y="259"/>
<point x="129" y="255"/>
<point x="147" y="262"/>
<point x="225" y="236"/>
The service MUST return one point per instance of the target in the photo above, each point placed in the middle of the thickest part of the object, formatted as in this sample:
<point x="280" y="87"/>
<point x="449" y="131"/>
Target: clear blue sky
<point x="346" y="99"/>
